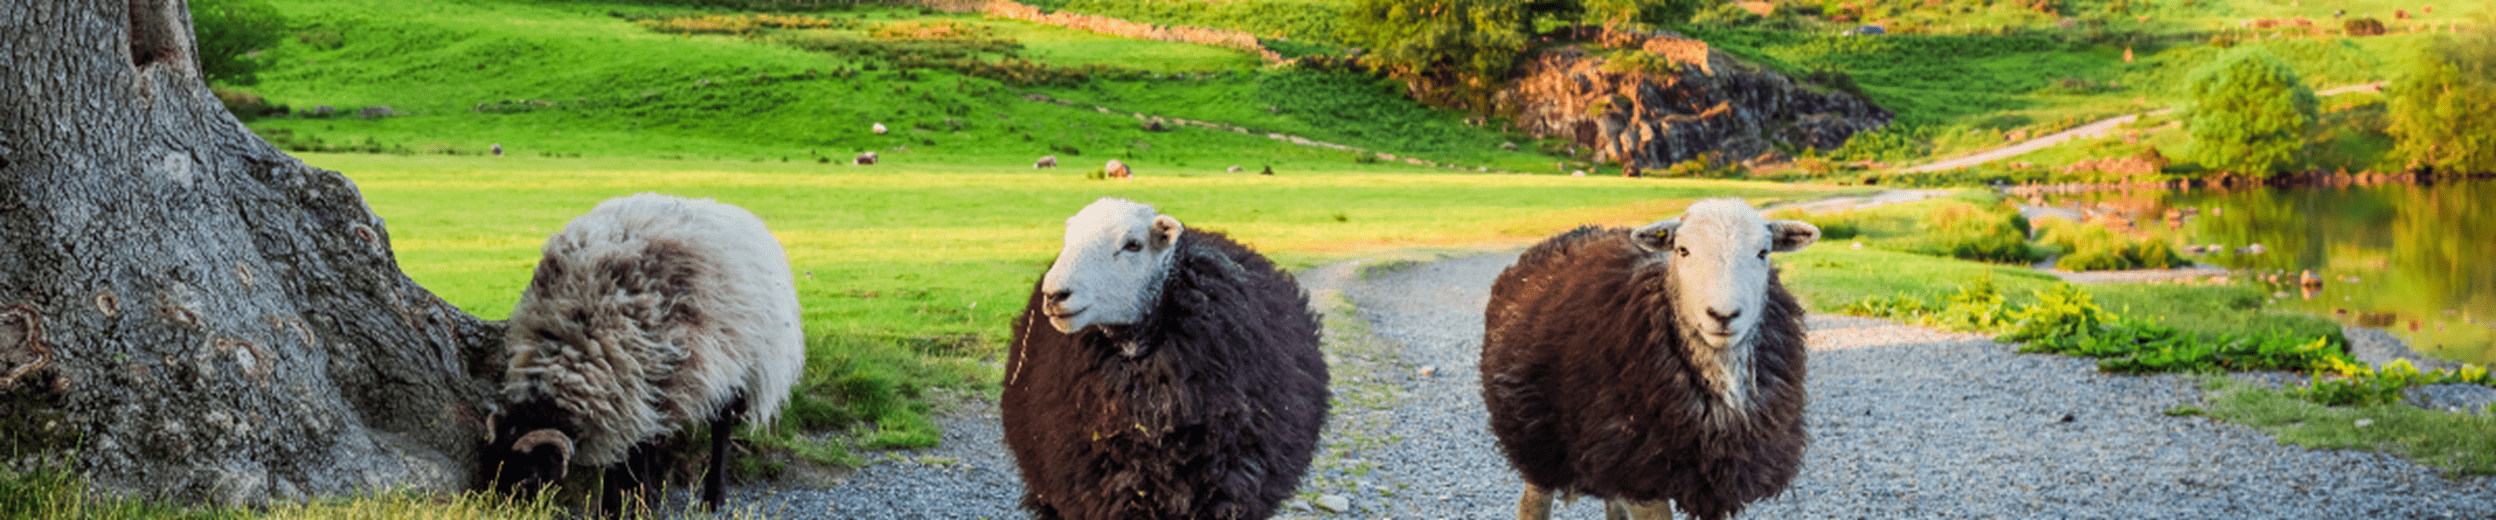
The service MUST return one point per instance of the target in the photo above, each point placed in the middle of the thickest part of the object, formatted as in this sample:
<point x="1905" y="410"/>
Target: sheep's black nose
<point x="1059" y="296"/>
<point x="1724" y="317"/>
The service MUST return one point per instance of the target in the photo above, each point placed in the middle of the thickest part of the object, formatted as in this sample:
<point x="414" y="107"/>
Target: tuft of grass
<point x="2094" y="247"/>
<point x="2459" y="444"/>
<point x="50" y="490"/>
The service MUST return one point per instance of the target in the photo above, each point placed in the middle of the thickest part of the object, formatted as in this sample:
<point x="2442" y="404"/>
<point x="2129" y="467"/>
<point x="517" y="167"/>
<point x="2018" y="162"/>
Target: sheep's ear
<point x="1792" y="235"/>
<point x="1166" y="230"/>
<point x="1657" y="236"/>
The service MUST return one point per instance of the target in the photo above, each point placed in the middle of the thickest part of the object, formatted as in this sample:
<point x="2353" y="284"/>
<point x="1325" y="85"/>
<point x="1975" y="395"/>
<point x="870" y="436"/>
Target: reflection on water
<point x="2419" y="260"/>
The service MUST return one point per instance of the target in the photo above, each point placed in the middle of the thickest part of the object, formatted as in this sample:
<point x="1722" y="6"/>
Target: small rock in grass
<point x="2361" y="423"/>
<point x="1334" y="503"/>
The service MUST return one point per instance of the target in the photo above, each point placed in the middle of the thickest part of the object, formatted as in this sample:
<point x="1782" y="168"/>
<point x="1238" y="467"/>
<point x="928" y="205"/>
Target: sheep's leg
<point x="1535" y="504"/>
<point x="1658" y="510"/>
<point x="1612" y="510"/>
<point x="628" y="484"/>
<point x="715" y="483"/>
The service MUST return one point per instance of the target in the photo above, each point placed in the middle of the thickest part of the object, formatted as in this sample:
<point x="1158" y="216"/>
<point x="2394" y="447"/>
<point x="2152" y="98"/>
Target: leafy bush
<point x="2440" y="106"/>
<point x="1451" y="52"/>
<point x="234" y="37"/>
<point x="2250" y="113"/>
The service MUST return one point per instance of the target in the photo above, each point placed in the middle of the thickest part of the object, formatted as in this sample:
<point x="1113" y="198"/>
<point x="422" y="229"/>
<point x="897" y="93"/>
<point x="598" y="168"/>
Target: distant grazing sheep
<point x="1653" y="368"/>
<point x="1161" y="372"/>
<point x="1117" y="170"/>
<point x="1045" y="162"/>
<point x="1235" y="169"/>
<point x="647" y="313"/>
<point x="864" y="158"/>
<point x="879" y="129"/>
<point x="497" y="148"/>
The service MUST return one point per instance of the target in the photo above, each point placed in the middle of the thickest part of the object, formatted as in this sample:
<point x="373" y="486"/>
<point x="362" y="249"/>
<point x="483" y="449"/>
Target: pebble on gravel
<point x="1334" y="503"/>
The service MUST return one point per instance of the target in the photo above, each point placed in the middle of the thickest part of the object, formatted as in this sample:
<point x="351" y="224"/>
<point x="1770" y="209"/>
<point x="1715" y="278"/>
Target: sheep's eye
<point x="1133" y="246"/>
<point x="1763" y="254"/>
<point x="1684" y="251"/>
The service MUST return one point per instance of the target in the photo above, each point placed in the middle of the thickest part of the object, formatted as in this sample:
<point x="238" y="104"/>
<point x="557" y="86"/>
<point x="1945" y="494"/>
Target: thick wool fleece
<point x="651" y="311"/>
<point x="1595" y="388"/>
<point x="1215" y="415"/>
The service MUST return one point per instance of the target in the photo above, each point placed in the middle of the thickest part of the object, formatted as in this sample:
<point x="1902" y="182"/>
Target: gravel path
<point x="1905" y="422"/>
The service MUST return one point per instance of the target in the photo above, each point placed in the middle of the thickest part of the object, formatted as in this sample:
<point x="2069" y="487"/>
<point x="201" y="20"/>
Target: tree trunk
<point x="188" y="311"/>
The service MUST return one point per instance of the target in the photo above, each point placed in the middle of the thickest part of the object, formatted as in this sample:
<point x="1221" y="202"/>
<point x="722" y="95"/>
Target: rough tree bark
<point x="189" y="311"/>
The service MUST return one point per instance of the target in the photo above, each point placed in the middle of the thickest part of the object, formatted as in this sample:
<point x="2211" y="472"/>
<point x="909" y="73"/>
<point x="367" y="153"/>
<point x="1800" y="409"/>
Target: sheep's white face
<point x="1111" y="269"/>
<point x="1718" y="252"/>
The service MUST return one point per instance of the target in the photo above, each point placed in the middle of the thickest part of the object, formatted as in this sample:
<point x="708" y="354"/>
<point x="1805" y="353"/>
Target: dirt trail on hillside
<point x="2083" y="131"/>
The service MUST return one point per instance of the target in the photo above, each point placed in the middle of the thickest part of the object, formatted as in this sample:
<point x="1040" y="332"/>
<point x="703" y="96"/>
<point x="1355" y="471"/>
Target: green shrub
<point x="2064" y="311"/>
<point x="2440" y="106"/>
<point x="235" y="37"/>
<point x="2250" y="113"/>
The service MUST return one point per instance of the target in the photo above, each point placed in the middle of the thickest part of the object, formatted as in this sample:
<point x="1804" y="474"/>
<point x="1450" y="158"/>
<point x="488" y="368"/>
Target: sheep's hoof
<point x="1535" y="504"/>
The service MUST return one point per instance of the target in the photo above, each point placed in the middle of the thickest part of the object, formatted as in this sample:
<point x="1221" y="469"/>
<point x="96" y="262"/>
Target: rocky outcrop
<point x="1646" y="117"/>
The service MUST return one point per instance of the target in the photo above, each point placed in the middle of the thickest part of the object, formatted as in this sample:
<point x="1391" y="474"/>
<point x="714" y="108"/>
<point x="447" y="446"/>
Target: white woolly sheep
<point x="1117" y="170"/>
<point x="647" y="313"/>
<point x="879" y="129"/>
<point x="1161" y="372"/>
<point x="1653" y="368"/>
<point x="1049" y="161"/>
<point x="864" y="158"/>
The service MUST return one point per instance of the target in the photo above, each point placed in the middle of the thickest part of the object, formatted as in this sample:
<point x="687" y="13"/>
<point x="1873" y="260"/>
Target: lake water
<point x="2417" y="260"/>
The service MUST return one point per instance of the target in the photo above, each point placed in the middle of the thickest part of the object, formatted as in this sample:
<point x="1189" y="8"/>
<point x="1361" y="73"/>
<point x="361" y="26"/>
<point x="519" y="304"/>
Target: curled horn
<point x="529" y="442"/>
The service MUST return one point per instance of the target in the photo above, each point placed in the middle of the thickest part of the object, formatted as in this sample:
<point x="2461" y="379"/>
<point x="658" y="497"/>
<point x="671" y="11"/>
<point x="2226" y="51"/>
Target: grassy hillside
<point x="582" y="79"/>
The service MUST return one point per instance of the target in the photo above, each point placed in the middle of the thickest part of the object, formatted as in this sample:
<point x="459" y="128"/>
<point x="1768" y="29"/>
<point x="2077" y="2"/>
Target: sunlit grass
<point x="2458" y="443"/>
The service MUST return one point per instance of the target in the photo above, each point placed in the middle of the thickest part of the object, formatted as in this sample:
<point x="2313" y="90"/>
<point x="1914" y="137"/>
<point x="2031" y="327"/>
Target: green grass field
<point x="580" y="79"/>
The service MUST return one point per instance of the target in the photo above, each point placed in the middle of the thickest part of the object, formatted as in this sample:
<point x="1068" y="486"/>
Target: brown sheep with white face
<point x="1653" y="368"/>
<point x="1160" y="371"/>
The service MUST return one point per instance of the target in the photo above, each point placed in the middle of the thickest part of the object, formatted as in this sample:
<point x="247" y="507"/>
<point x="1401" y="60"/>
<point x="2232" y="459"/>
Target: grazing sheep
<point x="1161" y="372"/>
<point x="1235" y="169"/>
<point x="864" y="158"/>
<point x="1645" y="366"/>
<point x="1049" y="161"/>
<point x="647" y="313"/>
<point x="497" y="148"/>
<point x="879" y="129"/>
<point x="1117" y="170"/>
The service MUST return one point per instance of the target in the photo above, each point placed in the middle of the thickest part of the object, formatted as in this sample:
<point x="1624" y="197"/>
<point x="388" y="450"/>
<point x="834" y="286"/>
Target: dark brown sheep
<point x="1651" y="365"/>
<point x="1161" y="372"/>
